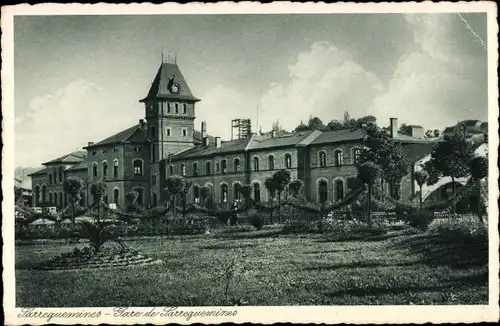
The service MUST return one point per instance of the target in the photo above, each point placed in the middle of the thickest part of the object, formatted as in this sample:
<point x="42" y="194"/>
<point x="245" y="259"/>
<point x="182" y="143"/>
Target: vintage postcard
<point x="247" y="162"/>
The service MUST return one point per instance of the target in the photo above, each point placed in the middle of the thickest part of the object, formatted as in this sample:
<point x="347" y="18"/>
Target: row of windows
<point x="56" y="198"/>
<point x="138" y="167"/>
<point x="224" y="197"/>
<point x="338" y="157"/>
<point x="56" y="178"/>
<point x="115" y="150"/>
<point x="222" y="166"/>
<point x="168" y="132"/>
<point x="174" y="107"/>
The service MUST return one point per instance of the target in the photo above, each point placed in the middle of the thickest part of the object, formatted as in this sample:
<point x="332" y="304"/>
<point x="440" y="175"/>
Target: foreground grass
<point x="272" y="269"/>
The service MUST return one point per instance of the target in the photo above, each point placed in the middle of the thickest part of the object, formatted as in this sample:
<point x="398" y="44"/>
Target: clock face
<point x="175" y="88"/>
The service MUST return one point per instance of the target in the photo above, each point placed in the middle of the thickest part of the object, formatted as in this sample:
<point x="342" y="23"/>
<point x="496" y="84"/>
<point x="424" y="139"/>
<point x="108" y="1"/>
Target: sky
<point x="80" y="78"/>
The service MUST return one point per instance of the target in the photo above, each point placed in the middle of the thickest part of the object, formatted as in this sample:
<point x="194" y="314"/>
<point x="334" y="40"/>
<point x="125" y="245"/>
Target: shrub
<point x="460" y="230"/>
<point x="257" y="221"/>
<point x="420" y="219"/>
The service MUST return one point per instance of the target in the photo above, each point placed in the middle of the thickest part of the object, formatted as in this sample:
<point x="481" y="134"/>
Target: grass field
<point x="272" y="269"/>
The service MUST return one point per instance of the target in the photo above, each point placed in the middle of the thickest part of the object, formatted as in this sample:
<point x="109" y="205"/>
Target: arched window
<point x="61" y="199"/>
<point x="395" y="190"/>
<point x="56" y="201"/>
<point x="37" y="195"/>
<point x="256" y="192"/>
<point x="256" y="163"/>
<point x="94" y="170"/>
<point x="115" y="169"/>
<point x="195" y="169"/>
<point x="322" y="191"/>
<point x="338" y="157"/>
<point x="223" y="192"/>
<point x="50" y="198"/>
<point x="137" y="163"/>
<point x="223" y="164"/>
<point x="60" y="176"/>
<point x="339" y="190"/>
<point x="270" y="160"/>
<point x="82" y="199"/>
<point x="171" y="170"/>
<point x="236" y="164"/>
<point x="116" y="196"/>
<point x="183" y="169"/>
<point x="44" y="194"/>
<point x="50" y="178"/>
<point x="356" y="152"/>
<point x="208" y="168"/>
<point x="288" y="161"/>
<point x="155" y="200"/>
<point x="140" y="197"/>
<point x="196" y="194"/>
<point x="236" y="191"/>
<point x="322" y="159"/>
<point x="104" y="169"/>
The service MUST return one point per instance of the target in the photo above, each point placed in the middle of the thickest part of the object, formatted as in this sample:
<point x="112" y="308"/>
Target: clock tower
<point x="170" y="113"/>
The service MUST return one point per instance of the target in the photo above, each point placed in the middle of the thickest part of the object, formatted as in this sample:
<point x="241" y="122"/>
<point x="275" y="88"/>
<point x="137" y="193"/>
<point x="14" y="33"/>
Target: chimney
<point x="141" y="123"/>
<point x="217" y="142"/>
<point x="203" y="130"/>
<point x="273" y="133"/>
<point x="206" y="141"/>
<point x="394" y="127"/>
<point x="91" y="143"/>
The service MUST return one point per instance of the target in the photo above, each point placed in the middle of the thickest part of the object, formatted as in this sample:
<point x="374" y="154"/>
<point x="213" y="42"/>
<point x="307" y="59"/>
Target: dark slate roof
<point x="226" y="147"/>
<point x="417" y="151"/>
<point x="73" y="157"/>
<point x="160" y="86"/>
<point x="470" y="123"/>
<point x="83" y="165"/>
<point x="339" y="136"/>
<point x="286" y="140"/>
<point x="198" y="139"/>
<point x="39" y="172"/>
<point x="134" y="134"/>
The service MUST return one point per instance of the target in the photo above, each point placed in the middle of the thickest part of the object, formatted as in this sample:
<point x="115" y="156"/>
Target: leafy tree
<point x="131" y="198"/>
<point x="206" y="194"/>
<point x="449" y="158"/>
<point x="429" y="133"/>
<point x="478" y="167"/>
<point x="98" y="190"/>
<point x="316" y="124"/>
<point x="246" y="192"/>
<point x="437" y="133"/>
<point x="295" y="187"/>
<point x="73" y="186"/>
<point x="421" y="177"/>
<point x="281" y="179"/>
<point x="348" y="121"/>
<point x="301" y="127"/>
<point x="335" y="125"/>
<point x="386" y="153"/>
<point x="185" y="189"/>
<point x="175" y="186"/>
<point x="405" y="129"/>
<point x="368" y="119"/>
<point x="368" y="173"/>
<point x="18" y="195"/>
<point x="270" y="185"/>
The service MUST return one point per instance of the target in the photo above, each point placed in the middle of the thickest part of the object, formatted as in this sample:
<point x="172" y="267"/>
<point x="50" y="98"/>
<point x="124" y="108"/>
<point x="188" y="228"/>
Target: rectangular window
<point x="169" y="132"/>
<point x="94" y="153"/>
<point x="104" y="151"/>
<point x="153" y="180"/>
<point x="115" y="150"/>
<point x="217" y="167"/>
<point x="168" y="107"/>
<point x="184" y="108"/>
<point x="176" y="108"/>
<point x="184" y="132"/>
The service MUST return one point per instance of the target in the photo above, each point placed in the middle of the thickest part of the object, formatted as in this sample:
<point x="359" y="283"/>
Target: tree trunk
<point x="369" y="204"/>
<point x="420" y="197"/>
<point x="279" y="206"/>
<point x="453" y="193"/>
<point x="73" y="212"/>
<point x="479" y="212"/>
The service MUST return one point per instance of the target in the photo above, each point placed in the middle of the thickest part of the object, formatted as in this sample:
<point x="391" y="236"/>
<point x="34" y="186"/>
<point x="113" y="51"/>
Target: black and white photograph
<point x="185" y="158"/>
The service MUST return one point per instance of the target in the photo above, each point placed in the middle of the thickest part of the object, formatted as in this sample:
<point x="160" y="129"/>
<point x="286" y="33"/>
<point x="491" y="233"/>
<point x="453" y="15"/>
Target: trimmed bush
<point x="420" y="219"/>
<point x="460" y="230"/>
<point x="257" y="221"/>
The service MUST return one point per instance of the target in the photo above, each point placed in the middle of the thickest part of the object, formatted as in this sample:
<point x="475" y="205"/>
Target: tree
<point x="368" y="119"/>
<point x="405" y="129"/>
<point x="301" y="127"/>
<point x="295" y="187"/>
<point x="131" y="198"/>
<point x="206" y="194"/>
<point x="246" y="192"/>
<point x="185" y="189"/>
<point x="348" y="121"/>
<point x="368" y="173"/>
<point x="335" y="125"/>
<point x="73" y="186"/>
<point x="175" y="186"/>
<point x="98" y="190"/>
<point x="450" y="158"/>
<point x="281" y="179"/>
<point x="270" y="185"/>
<point x="421" y="177"/>
<point x="478" y="167"/>
<point x="429" y="133"/>
<point x="316" y="124"/>
<point x="18" y="195"/>
<point x="437" y="133"/>
<point x="386" y="153"/>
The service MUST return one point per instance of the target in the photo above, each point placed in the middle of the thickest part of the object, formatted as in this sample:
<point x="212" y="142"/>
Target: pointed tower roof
<point x="169" y="75"/>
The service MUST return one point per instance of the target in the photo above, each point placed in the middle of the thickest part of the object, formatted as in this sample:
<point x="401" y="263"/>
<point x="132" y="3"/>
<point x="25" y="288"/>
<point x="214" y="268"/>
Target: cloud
<point x="66" y="120"/>
<point x="324" y="81"/>
<point x="438" y="83"/>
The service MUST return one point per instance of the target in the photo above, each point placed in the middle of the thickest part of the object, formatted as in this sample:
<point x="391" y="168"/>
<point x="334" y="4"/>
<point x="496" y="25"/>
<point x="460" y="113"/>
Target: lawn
<point x="272" y="269"/>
